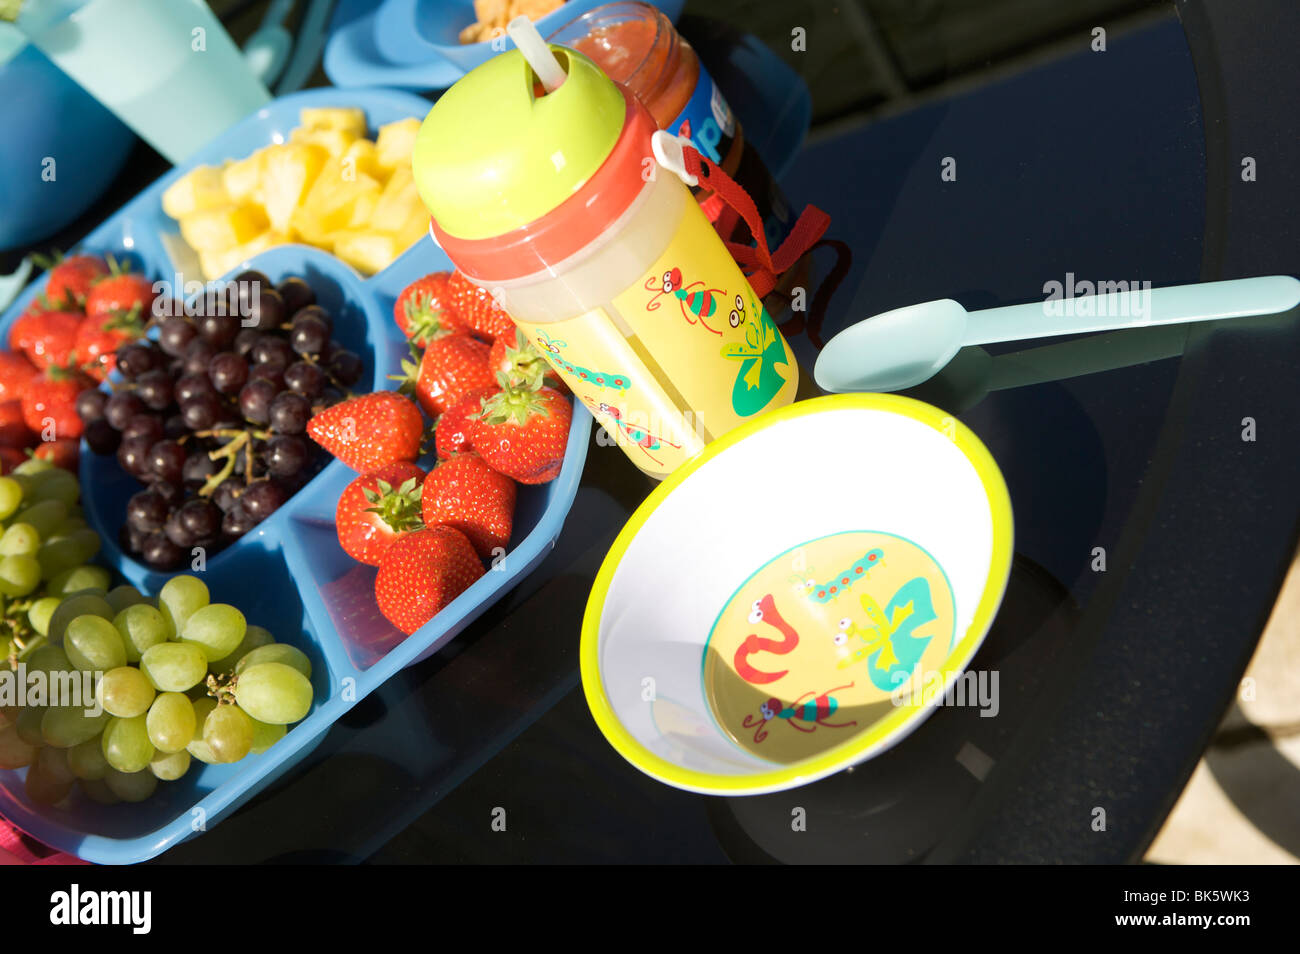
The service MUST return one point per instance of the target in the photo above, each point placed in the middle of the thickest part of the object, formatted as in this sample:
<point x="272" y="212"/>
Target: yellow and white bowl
<point x="799" y="597"/>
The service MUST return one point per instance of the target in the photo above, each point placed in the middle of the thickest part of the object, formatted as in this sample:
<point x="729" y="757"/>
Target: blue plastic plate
<point x="289" y="574"/>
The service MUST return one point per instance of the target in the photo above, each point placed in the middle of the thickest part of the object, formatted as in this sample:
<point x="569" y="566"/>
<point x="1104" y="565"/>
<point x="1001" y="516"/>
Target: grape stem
<point x="223" y="690"/>
<point x="238" y="440"/>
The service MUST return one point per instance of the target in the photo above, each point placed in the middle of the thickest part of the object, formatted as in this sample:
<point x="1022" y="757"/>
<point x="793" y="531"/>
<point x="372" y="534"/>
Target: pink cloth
<point x="25" y="850"/>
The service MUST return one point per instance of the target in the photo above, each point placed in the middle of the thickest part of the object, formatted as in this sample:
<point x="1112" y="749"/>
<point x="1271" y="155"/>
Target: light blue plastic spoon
<point x="901" y="348"/>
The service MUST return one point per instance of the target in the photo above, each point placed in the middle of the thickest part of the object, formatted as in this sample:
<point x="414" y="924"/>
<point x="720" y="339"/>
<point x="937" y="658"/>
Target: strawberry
<point x="377" y="509"/>
<point x="514" y="356"/>
<point x="71" y="279"/>
<point x="421" y="573"/>
<point x="16" y="372"/>
<point x="467" y="494"/>
<point x="522" y="432"/>
<point x="120" y="291"/>
<point x="52" y="397"/>
<point x="13" y="428"/>
<point x="450" y="369"/>
<point x="20" y="331"/>
<point x="99" y="337"/>
<point x="476" y="307"/>
<point x="10" y="457"/>
<point x="63" y="452"/>
<point x="451" y="436"/>
<point x="423" y="310"/>
<point x="49" y="337"/>
<point x="369" y="431"/>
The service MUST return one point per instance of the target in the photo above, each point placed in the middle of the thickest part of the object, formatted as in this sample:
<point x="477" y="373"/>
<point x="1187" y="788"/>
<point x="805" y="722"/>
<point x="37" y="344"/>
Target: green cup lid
<point x="492" y="156"/>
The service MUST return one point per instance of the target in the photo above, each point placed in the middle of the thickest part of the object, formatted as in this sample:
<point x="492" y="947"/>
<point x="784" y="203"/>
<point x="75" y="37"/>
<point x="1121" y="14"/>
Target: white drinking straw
<point x="536" y="52"/>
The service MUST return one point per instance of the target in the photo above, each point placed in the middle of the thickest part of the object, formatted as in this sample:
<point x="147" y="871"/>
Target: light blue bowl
<point x="46" y="116"/>
<point x="289" y="574"/>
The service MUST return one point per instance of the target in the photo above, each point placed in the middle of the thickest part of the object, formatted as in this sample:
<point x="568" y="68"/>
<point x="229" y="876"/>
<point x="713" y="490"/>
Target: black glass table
<point x="977" y="153"/>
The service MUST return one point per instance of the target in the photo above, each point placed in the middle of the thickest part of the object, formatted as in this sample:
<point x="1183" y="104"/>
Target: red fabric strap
<point x="762" y="266"/>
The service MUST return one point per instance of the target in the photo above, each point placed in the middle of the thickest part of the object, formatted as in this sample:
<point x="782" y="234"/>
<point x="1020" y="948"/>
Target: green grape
<point x="265" y="735"/>
<point x="19" y="575"/>
<point x="277" y="652"/>
<point x="86" y="760"/>
<point x="49" y="659"/>
<point x="20" y="539"/>
<point x="57" y="484"/>
<point x="55" y="762"/>
<point x="126" y="744"/>
<point x="174" y="667"/>
<point x="93" y="644"/>
<point x="171" y="722"/>
<point x="32" y="465"/>
<point x="44" y="516"/>
<point x="43" y="786"/>
<point x="126" y="692"/>
<point x="66" y="726"/>
<point x="59" y="555"/>
<point x="178" y="600"/>
<point x="198" y="747"/>
<point x="131" y="786"/>
<point x="11" y="495"/>
<point x="68" y="526"/>
<point x="40" y="612"/>
<point x="273" y="692"/>
<point x="28" y="725"/>
<point x="217" y="629"/>
<point x="79" y="579"/>
<point x="97" y="790"/>
<point x="228" y="731"/>
<point x="74" y="606"/>
<point x="141" y="627"/>
<point x="120" y="597"/>
<point x="15" y="751"/>
<point x="254" y="638"/>
<point x="170" y="767"/>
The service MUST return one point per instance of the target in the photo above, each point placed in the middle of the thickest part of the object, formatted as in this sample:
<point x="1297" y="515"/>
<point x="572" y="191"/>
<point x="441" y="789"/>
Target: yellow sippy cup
<point x="543" y="188"/>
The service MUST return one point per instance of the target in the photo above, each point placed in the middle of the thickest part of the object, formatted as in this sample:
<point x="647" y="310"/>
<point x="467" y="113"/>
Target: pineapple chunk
<point x="333" y="141"/>
<point x="215" y="263"/>
<point x="243" y="177"/>
<point x="305" y="226"/>
<point x="413" y="229"/>
<point x="333" y="196"/>
<point x="223" y="228"/>
<point x="395" y="205"/>
<point x="196" y="191"/>
<point x="291" y="169"/>
<point x="363" y="157"/>
<point x="343" y="118"/>
<point x="395" y="143"/>
<point x="365" y="250"/>
<point x="364" y="209"/>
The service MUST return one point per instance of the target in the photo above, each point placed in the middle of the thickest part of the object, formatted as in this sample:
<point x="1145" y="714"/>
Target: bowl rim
<point x="887" y="731"/>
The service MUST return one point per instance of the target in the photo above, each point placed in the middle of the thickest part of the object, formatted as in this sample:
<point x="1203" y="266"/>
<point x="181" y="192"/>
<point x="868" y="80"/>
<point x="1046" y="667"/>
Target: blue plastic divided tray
<point x="289" y="574"/>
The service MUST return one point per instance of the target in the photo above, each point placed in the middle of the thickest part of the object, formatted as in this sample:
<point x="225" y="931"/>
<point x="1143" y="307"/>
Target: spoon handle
<point x="1134" y="309"/>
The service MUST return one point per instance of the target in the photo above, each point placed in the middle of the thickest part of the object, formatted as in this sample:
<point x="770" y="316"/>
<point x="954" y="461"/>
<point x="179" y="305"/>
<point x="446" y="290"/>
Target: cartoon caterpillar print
<point x="619" y="382"/>
<point x="695" y="300"/>
<point x="815" y="711"/>
<point x="825" y="592"/>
